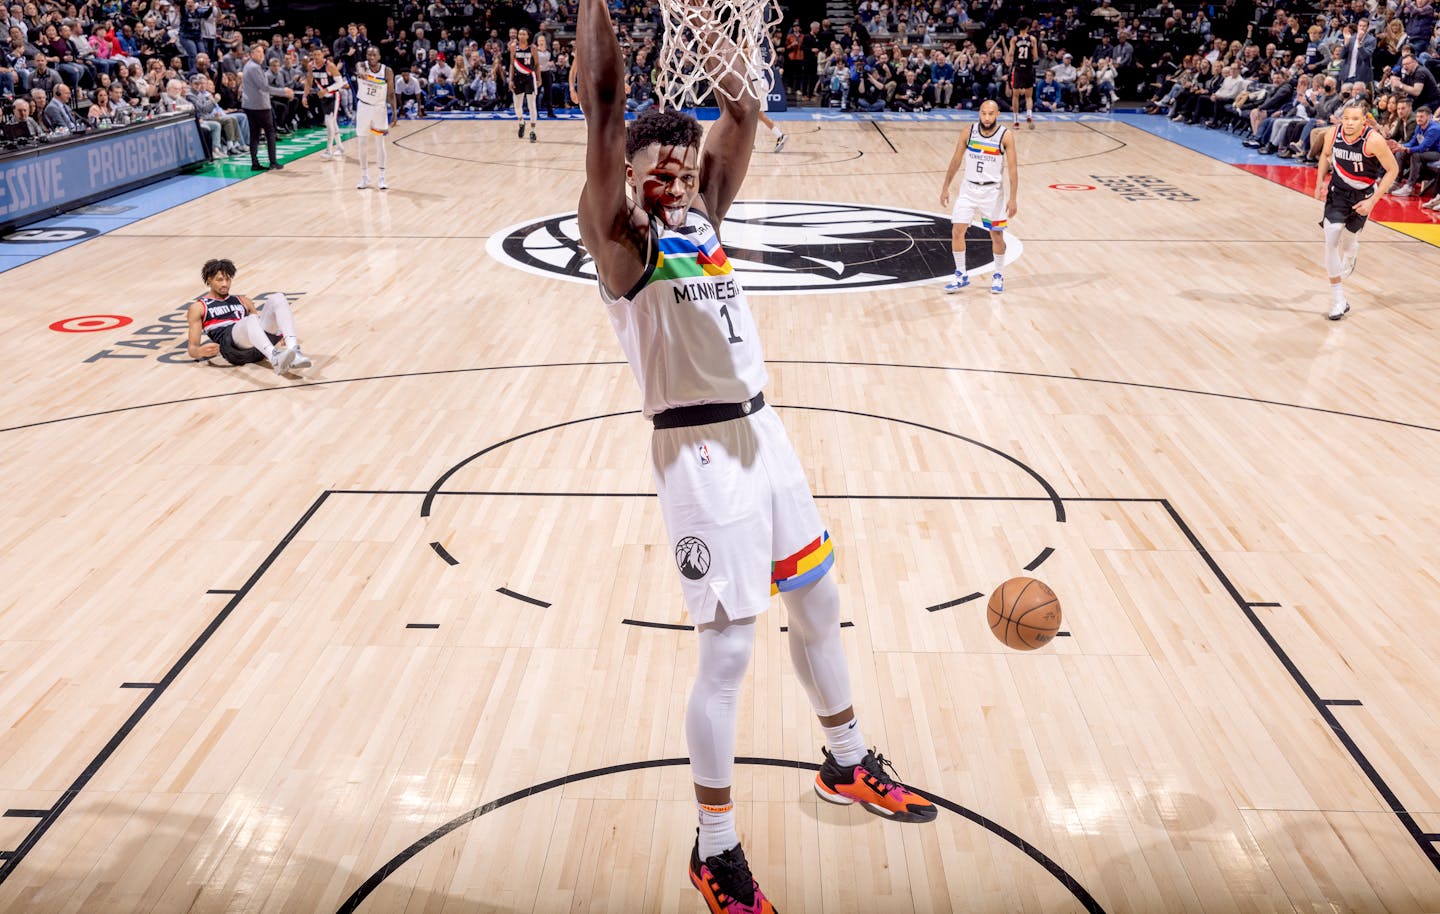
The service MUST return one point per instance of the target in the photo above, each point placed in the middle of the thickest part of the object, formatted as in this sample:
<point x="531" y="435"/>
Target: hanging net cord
<point x="719" y="45"/>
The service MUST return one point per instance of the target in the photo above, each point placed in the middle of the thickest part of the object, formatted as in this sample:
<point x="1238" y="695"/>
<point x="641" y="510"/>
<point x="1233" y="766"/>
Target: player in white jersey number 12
<point x="375" y="100"/>
<point x="737" y="508"/>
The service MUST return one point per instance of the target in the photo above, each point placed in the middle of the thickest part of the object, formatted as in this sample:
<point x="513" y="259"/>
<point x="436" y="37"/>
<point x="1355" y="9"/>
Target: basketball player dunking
<point x="236" y="330"/>
<point x="737" y="508"/>
<point x="987" y="151"/>
<point x="375" y="90"/>
<point x="323" y="78"/>
<point x="1361" y="160"/>
<point x="1021" y="57"/>
<point x="522" y="82"/>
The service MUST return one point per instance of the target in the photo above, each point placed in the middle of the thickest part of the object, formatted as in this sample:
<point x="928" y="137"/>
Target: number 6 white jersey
<point x="686" y="327"/>
<point x="985" y="156"/>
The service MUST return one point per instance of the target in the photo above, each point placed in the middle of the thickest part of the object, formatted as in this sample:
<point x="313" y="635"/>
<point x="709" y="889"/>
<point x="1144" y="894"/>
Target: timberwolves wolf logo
<point x="693" y="557"/>
<point x="781" y="247"/>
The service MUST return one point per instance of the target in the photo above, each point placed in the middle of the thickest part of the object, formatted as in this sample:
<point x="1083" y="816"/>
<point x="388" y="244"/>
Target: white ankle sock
<point x="717" y="829"/>
<point x="846" y="742"/>
<point x="777" y="131"/>
<point x="1337" y="291"/>
<point x="959" y="261"/>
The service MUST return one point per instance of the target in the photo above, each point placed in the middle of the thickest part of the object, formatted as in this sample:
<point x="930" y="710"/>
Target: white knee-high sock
<point x="277" y="317"/>
<point x="1334" y="260"/>
<point x="381" y="145"/>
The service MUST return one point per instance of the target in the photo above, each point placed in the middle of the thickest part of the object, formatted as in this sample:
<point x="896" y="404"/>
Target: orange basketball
<point x="1024" y="613"/>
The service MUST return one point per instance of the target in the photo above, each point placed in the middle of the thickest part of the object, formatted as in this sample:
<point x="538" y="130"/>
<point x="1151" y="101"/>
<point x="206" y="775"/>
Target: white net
<point x="707" y="42"/>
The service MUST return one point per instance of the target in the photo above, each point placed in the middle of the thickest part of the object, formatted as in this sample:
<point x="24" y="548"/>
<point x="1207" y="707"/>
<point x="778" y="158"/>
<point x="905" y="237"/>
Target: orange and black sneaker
<point x="868" y="784"/>
<point x="726" y="884"/>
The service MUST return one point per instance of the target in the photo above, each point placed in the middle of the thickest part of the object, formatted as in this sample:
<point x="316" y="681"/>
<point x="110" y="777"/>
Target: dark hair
<point x="668" y="128"/>
<point x="1022" y="24"/>
<point x="1423" y="109"/>
<point x="212" y="267"/>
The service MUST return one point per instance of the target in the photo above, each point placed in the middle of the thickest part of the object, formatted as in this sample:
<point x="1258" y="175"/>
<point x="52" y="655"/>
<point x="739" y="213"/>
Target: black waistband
<point x="707" y="413"/>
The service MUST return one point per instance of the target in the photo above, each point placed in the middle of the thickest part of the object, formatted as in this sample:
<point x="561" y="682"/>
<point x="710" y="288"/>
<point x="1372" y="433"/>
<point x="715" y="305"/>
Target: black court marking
<point x="965" y="599"/>
<point x="786" y="628"/>
<point x="1259" y="605"/>
<point x="25" y="813"/>
<point x="1356" y="753"/>
<point x="1425" y="840"/>
<point x="230" y="592"/>
<point x="672" y="626"/>
<point x="68" y="796"/>
<point x="999" y="372"/>
<point x="1039" y="560"/>
<point x="139" y="685"/>
<point x="1341" y="702"/>
<point x="881" y="130"/>
<point x="1062" y="634"/>
<point x="422" y="624"/>
<point x="1051" y="494"/>
<point x="358" y="897"/>
<point x="441" y="551"/>
<point x="520" y="596"/>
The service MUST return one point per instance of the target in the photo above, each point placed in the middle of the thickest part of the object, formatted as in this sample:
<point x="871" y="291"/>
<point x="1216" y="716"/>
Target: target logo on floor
<point x="1072" y="186"/>
<point x="90" y="323"/>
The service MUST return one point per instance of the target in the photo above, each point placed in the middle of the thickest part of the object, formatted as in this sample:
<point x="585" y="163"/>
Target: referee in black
<point x="255" y="93"/>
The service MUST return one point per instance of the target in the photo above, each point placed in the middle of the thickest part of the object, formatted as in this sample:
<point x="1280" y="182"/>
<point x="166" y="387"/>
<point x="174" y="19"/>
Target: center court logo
<point x="693" y="557"/>
<point x="785" y="247"/>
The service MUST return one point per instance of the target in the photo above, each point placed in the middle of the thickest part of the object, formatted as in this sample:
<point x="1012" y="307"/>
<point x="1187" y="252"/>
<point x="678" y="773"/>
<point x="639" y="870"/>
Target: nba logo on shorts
<point x="704" y="453"/>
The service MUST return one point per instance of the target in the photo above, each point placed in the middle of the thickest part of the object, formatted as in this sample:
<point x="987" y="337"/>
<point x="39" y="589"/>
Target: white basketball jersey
<point x="370" y="87"/>
<point x="686" y="328"/>
<point x="985" y="156"/>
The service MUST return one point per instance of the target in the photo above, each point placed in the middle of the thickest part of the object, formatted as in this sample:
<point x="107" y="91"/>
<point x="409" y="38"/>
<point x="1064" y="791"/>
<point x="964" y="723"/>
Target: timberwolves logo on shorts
<point x="781" y="247"/>
<point x="693" y="557"/>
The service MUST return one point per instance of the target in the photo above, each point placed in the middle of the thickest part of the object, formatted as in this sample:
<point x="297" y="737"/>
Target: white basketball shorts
<point x="741" y="521"/>
<point x="986" y="200"/>
<point x="374" y="119"/>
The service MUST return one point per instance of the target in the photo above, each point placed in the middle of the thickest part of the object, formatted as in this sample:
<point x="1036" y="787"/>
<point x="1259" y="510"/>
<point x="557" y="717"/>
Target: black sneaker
<point x="724" y="881"/>
<point x="532" y="136"/>
<point x="869" y="785"/>
<point x="520" y="130"/>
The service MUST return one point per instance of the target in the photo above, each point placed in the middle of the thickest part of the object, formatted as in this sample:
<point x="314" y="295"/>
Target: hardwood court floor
<point x="212" y="696"/>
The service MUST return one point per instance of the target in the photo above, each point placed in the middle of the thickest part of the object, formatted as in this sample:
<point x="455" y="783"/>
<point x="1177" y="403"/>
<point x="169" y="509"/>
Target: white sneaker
<point x="364" y="182"/>
<point x="997" y="283"/>
<point x="780" y="142"/>
<point x="283" y="359"/>
<point x="382" y="185"/>
<point x="1404" y="190"/>
<point x="326" y="155"/>
<point x="301" y="360"/>
<point x="960" y="281"/>
<point x="1338" y="310"/>
<point x="1433" y="204"/>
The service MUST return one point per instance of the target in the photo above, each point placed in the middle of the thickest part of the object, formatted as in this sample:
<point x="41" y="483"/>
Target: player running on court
<point x="987" y="152"/>
<point x="1364" y="168"/>
<point x="738" y="510"/>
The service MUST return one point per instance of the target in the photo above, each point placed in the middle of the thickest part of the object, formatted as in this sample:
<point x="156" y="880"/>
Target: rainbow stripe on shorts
<point x="804" y="567"/>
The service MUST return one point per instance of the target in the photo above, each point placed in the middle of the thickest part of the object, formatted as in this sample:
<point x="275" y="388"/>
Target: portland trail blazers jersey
<point x="1354" y="168"/>
<point x="221" y="311"/>
<point x="686" y="327"/>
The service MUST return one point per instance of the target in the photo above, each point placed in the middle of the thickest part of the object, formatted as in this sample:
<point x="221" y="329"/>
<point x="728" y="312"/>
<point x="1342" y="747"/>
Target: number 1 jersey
<point x="686" y="327"/>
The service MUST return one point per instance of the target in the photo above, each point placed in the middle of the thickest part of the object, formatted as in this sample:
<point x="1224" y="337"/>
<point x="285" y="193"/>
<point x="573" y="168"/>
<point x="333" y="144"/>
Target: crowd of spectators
<point x="1283" y="89"/>
<point x="1268" y="69"/>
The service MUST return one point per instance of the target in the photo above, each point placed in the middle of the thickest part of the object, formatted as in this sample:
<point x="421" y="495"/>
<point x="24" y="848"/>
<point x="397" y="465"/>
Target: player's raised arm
<point x="726" y="157"/>
<point x="616" y="245"/>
